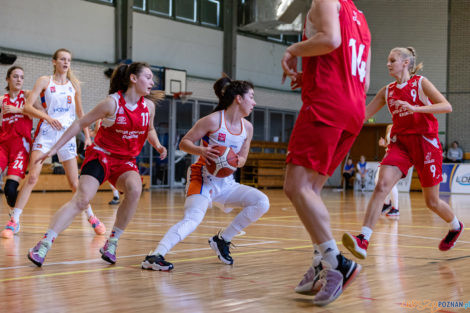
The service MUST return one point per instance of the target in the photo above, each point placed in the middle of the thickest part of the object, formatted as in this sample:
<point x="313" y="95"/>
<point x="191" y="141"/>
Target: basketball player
<point x="390" y="206"/>
<point x="335" y="55"/>
<point x="15" y="141"/>
<point x="61" y="97"/>
<point x="127" y="121"/>
<point x="412" y="100"/>
<point x="226" y="126"/>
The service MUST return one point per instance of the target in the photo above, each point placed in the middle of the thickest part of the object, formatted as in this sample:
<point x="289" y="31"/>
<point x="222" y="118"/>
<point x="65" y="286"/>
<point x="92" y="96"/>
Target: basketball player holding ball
<point x="226" y="126"/>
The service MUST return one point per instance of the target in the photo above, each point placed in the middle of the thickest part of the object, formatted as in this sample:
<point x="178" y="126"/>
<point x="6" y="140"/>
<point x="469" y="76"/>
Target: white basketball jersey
<point x="223" y="137"/>
<point x="59" y="102"/>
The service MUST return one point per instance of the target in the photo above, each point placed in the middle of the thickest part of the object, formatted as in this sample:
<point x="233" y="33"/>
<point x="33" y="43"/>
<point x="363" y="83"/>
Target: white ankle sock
<point x="329" y="251"/>
<point x="116" y="233"/>
<point x="89" y="212"/>
<point x="367" y="232"/>
<point x="50" y="236"/>
<point x="115" y="193"/>
<point x="15" y="213"/>
<point x="455" y="224"/>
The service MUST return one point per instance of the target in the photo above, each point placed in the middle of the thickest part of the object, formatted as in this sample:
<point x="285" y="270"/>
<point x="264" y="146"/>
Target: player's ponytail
<point x="227" y="89"/>
<point x="409" y="53"/>
<point x="10" y="70"/>
<point x="413" y="68"/>
<point x="70" y="75"/>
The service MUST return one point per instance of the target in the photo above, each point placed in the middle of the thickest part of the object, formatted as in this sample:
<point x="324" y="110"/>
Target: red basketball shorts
<point x="14" y="153"/>
<point x="113" y="167"/>
<point x="318" y="146"/>
<point x="424" y="152"/>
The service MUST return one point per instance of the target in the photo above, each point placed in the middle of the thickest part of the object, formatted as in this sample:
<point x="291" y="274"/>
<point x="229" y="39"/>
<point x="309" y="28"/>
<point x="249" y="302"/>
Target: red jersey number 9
<point x="69" y="99"/>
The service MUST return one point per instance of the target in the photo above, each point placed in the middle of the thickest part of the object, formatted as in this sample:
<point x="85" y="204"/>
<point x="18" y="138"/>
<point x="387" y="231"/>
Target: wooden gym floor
<point x="404" y="263"/>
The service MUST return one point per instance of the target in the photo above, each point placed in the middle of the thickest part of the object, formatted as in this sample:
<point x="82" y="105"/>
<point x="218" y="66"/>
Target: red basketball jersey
<point x="405" y="122"/>
<point x="333" y="83"/>
<point x="127" y="135"/>
<point x="16" y="124"/>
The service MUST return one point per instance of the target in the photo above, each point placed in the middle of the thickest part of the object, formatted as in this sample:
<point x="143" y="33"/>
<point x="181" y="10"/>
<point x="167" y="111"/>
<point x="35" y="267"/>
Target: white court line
<point x="130" y="256"/>
<point x="291" y="226"/>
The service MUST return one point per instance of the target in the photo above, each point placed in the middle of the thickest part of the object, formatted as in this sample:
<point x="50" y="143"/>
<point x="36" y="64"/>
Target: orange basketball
<point x="225" y="164"/>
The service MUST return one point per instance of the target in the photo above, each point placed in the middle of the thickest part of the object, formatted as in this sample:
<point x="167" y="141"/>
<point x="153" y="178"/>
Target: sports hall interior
<point x="189" y="44"/>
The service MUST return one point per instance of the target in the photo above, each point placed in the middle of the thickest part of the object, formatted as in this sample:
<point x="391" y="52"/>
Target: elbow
<point x="333" y="42"/>
<point x="449" y="108"/>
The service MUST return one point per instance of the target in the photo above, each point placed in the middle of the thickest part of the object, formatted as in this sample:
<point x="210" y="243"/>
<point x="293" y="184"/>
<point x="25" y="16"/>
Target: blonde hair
<point x="409" y="53"/>
<point x="70" y="75"/>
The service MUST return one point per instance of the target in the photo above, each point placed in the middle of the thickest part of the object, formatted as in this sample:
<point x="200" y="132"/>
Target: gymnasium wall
<point x="83" y="27"/>
<point x="459" y="73"/>
<point x="421" y="24"/>
<point x="87" y="29"/>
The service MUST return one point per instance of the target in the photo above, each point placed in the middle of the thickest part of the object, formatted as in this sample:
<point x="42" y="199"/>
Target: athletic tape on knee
<point x="11" y="191"/>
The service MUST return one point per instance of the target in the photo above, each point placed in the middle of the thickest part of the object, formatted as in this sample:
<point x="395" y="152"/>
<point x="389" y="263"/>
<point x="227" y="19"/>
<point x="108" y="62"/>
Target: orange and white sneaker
<point x="98" y="227"/>
<point x="10" y="229"/>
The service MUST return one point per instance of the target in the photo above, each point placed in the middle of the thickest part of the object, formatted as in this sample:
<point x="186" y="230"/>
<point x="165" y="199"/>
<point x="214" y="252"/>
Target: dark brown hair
<point x="120" y="79"/>
<point x="227" y="89"/>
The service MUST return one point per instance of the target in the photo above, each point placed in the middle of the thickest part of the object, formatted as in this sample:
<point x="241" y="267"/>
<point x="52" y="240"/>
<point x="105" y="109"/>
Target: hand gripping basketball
<point x="225" y="164"/>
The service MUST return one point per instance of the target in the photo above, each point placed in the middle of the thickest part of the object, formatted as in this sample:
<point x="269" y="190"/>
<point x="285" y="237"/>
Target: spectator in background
<point x="361" y="174"/>
<point x="454" y="153"/>
<point x="348" y="172"/>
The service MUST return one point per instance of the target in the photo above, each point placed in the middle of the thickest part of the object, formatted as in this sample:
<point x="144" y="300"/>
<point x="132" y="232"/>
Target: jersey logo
<point x="52" y="89"/>
<point x="121" y="110"/>
<point x="414" y="84"/>
<point x="433" y="142"/>
<point x="121" y="120"/>
<point x="221" y="137"/>
<point x="355" y="18"/>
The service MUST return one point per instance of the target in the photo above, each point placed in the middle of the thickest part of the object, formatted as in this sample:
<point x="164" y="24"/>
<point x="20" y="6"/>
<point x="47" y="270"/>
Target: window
<point x="186" y="10"/>
<point x="139" y="4"/>
<point x="275" y="126"/>
<point x="202" y="12"/>
<point x="289" y="119"/>
<point x="205" y="109"/>
<point x="210" y="12"/>
<point x="258" y="125"/>
<point x="160" y="6"/>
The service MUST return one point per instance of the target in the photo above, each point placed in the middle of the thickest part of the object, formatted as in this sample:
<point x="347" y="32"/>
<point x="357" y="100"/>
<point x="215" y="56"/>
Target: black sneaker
<point x="393" y="213"/>
<point x="156" y="263"/>
<point x="222" y="248"/>
<point x="348" y="268"/>
<point x="114" y="201"/>
<point x="386" y="207"/>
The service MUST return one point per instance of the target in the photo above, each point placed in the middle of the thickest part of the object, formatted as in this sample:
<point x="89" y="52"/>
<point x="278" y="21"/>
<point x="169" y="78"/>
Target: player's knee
<point x="432" y="203"/>
<point x="262" y="205"/>
<point x="81" y="201"/>
<point x="290" y="190"/>
<point x="253" y="213"/>
<point x="133" y="192"/>
<point x="382" y="187"/>
<point x="11" y="191"/>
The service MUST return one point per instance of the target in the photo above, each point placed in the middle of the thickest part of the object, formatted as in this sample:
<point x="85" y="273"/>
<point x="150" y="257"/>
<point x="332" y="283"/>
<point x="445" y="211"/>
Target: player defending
<point x="335" y="55"/>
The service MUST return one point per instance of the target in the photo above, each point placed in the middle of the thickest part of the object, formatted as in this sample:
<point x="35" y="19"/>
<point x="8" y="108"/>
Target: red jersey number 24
<point x="357" y="65"/>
